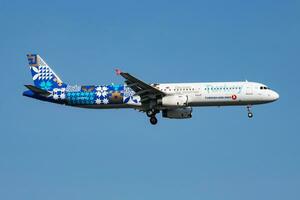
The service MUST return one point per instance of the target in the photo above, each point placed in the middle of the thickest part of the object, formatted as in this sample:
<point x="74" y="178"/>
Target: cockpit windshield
<point x="264" y="88"/>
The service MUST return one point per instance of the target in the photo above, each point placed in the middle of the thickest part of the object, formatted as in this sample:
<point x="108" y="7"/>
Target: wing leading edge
<point x="144" y="90"/>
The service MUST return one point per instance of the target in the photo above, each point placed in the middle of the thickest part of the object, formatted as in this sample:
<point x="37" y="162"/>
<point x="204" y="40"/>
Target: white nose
<point x="275" y="96"/>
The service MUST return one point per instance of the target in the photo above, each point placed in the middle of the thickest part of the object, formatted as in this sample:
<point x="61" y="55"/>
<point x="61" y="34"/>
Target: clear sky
<point x="56" y="152"/>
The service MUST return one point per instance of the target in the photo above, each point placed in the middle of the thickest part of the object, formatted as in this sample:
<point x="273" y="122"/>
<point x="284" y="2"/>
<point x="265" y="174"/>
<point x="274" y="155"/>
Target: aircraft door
<point x="249" y="90"/>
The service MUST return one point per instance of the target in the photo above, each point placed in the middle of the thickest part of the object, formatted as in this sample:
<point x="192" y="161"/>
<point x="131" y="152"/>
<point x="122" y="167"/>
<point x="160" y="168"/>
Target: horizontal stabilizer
<point x="37" y="90"/>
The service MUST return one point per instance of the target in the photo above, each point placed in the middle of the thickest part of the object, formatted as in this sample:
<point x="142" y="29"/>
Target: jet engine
<point x="175" y="101"/>
<point x="178" y="113"/>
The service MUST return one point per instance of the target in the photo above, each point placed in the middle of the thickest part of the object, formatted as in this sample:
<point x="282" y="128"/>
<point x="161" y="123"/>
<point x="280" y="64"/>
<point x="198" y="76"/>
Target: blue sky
<point x="55" y="152"/>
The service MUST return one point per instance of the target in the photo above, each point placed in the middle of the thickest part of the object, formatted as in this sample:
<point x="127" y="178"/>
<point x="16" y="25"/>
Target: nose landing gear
<point x="250" y="114"/>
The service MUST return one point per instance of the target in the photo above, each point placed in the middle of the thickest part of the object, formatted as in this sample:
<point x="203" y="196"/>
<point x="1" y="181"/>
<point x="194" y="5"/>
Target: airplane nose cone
<point x="275" y="96"/>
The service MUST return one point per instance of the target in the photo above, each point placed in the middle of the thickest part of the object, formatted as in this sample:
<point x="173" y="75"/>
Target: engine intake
<point x="178" y="113"/>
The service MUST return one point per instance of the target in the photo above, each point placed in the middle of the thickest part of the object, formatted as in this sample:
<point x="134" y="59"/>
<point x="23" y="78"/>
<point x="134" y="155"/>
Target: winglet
<point x="118" y="71"/>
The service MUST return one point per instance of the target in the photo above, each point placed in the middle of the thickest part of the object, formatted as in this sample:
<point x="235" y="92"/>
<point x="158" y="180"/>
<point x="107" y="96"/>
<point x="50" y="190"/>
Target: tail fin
<point x="42" y="75"/>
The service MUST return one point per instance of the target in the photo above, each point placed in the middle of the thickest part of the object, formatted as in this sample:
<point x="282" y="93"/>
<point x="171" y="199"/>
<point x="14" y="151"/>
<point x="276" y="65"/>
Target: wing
<point x="144" y="90"/>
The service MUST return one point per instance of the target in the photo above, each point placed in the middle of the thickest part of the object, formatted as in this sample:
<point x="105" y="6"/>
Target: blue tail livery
<point x="42" y="75"/>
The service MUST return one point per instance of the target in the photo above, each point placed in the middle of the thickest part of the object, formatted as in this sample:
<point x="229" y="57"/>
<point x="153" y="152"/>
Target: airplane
<point x="174" y="100"/>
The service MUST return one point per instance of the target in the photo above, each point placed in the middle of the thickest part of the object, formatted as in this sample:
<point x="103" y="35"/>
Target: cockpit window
<point x="264" y="88"/>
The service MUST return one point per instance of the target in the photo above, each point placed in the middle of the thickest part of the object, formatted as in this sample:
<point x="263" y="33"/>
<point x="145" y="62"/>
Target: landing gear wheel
<point x="250" y="114"/>
<point x="153" y="120"/>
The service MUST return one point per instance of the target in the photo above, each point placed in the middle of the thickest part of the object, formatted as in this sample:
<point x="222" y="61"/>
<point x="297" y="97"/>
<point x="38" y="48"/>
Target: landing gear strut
<point x="250" y="114"/>
<point x="150" y="113"/>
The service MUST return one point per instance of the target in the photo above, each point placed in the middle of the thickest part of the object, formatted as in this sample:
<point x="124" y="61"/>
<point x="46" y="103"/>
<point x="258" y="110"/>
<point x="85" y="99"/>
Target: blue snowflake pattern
<point x="46" y="85"/>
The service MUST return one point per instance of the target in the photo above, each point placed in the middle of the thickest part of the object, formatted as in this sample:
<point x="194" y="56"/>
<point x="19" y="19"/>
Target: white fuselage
<point x="221" y="93"/>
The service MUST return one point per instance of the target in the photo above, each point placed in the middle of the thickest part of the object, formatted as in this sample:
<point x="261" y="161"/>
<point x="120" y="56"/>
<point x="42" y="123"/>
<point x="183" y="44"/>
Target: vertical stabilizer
<point x="42" y="75"/>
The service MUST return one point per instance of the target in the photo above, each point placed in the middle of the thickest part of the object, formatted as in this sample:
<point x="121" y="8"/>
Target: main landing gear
<point x="250" y="114"/>
<point x="153" y="120"/>
<point x="151" y="114"/>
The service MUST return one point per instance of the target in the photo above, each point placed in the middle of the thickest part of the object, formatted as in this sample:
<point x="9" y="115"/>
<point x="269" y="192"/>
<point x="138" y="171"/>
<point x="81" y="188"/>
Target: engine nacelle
<point x="175" y="101"/>
<point x="178" y="113"/>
